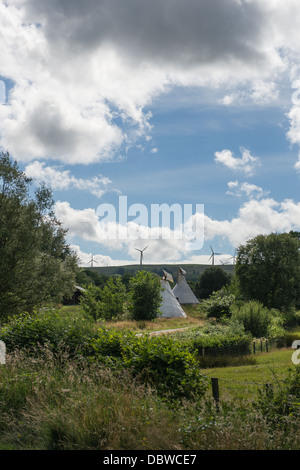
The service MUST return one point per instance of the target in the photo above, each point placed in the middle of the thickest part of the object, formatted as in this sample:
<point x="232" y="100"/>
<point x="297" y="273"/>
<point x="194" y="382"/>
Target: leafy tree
<point x="268" y="270"/>
<point x="211" y="280"/>
<point x="107" y="302"/>
<point x="145" y="296"/>
<point x="36" y="264"/>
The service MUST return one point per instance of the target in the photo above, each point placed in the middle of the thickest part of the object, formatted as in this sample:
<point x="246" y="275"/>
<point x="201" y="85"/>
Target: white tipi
<point x="182" y="290"/>
<point x="170" y="307"/>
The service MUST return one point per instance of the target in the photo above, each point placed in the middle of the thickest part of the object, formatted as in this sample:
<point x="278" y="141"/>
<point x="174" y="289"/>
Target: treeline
<point x="36" y="264"/>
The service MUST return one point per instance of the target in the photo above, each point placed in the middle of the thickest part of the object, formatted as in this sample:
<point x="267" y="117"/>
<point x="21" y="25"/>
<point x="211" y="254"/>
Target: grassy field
<point x="244" y="381"/>
<point x="56" y="405"/>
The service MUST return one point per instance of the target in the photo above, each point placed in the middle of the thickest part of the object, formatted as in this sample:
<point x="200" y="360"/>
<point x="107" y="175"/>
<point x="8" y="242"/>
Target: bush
<point x="255" y="317"/>
<point x="145" y="298"/>
<point x="218" y="305"/>
<point x="105" y="303"/>
<point x="164" y="364"/>
<point x="285" y="401"/>
<point x="217" y="340"/>
<point x="46" y="328"/>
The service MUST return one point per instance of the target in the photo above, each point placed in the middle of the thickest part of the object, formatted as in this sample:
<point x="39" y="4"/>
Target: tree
<point x="211" y="280"/>
<point x="107" y="302"/>
<point x="268" y="270"/>
<point x="36" y="264"/>
<point x="145" y="296"/>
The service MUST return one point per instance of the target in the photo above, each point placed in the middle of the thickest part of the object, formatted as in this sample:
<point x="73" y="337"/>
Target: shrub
<point x="107" y="302"/>
<point x="218" y="305"/>
<point x="255" y="317"/>
<point x="217" y="340"/>
<point x="46" y="328"/>
<point x="145" y="296"/>
<point x="161" y="362"/>
<point x="284" y="401"/>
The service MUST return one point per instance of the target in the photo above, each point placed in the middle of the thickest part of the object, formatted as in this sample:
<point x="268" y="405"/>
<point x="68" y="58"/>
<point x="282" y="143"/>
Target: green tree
<point x="145" y="296"/>
<point x="107" y="302"/>
<point x="268" y="270"/>
<point x="211" y="280"/>
<point x="36" y="264"/>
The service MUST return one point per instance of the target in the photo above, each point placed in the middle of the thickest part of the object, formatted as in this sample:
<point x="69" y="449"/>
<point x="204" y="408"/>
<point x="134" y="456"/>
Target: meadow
<point x="69" y="398"/>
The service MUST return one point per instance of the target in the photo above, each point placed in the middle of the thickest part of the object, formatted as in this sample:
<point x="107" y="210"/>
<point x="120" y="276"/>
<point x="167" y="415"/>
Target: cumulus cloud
<point x="253" y="218"/>
<point x="64" y="180"/>
<point x="246" y="163"/>
<point x="82" y="68"/>
<point x="245" y="189"/>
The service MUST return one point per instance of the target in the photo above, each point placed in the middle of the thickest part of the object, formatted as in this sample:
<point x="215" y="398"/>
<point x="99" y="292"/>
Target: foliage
<point x="105" y="303"/>
<point x="47" y="327"/>
<point x="164" y="364"/>
<point x="267" y="270"/>
<point x="145" y="297"/>
<point x="229" y="339"/>
<point x="255" y="317"/>
<point x="282" y="402"/>
<point x="36" y="264"/>
<point x="85" y="277"/>
<point x="218" y="304"/>
<point x="212" y="279"/>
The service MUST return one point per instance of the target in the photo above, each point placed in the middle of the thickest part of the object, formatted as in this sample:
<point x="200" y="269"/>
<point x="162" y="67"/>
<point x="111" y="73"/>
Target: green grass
<point x="244" y="381"/>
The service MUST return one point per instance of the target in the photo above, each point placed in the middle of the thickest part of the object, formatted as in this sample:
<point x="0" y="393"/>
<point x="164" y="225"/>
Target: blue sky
<point x="101" y="102"/>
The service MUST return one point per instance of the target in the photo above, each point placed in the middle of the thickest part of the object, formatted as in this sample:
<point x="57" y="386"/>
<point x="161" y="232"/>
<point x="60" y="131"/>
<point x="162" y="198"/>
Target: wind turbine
<point x="233" y="257"/>
<point x="213" y="253"/>
<point x="92" y="261"/>
<point x="142" y="254"/>
<point x="222" y="262"/>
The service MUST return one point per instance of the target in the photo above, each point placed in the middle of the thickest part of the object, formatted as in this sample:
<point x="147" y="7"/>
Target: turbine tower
<point x="213" y="253"/>
<point x="142" y="254"/>
<point x="92" y="261"/>
<point x="233" y="257"/>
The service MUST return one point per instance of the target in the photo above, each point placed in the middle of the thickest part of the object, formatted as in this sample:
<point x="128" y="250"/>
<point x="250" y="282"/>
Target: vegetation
<point x="145" y="297"/>
<point x="211" y="280"/>
<point x="37" y="266"/>
<point x="267" y="270"/>
<point x="100" y="375"/>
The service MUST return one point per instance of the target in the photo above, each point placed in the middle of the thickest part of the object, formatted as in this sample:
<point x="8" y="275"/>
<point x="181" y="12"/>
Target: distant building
<point x="74" y="299"/>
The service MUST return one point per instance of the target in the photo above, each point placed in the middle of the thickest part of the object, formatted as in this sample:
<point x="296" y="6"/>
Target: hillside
<point x="192" y="270"/>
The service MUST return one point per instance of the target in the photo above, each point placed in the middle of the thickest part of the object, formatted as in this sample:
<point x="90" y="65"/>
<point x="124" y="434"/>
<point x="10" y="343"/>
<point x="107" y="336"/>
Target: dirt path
<point x="165" y="332"/>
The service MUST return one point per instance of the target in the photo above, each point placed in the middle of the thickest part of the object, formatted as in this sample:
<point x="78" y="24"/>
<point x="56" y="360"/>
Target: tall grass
<point x="58" y="403"/>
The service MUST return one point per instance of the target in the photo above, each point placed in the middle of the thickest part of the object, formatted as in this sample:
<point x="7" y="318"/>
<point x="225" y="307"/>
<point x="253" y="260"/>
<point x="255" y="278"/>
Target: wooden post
<point x="215" y="391"/>
<point x="253" y="347"/>
<point x="267" y="346"/>
<point x="261" y="345"/>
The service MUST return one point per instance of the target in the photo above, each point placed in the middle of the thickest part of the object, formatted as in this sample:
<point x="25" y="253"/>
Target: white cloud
<point x="73" y="81"/>
<point x="245" y="189"/>
<point x="253" y="218"/>
<point x="246" y="163"/>
<point x="64" y="180"/>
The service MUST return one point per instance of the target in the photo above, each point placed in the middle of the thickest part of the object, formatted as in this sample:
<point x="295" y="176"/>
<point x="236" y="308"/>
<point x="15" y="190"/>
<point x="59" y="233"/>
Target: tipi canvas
<point x="182" y="290"/>
<point x="170" y="307"/>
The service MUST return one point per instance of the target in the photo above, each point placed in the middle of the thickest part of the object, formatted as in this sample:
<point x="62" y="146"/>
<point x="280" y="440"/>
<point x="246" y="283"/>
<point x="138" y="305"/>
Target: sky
<point x="166" y="105"/>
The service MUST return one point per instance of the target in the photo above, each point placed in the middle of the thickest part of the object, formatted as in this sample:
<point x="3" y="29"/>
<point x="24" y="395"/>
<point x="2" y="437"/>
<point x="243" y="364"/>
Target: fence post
<point x="253" y="347"/>
<point x="261" y="345"/>
<point x="215" y="390"/>
<point x="203" y="351"/>
<point x="267" y="346"/>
